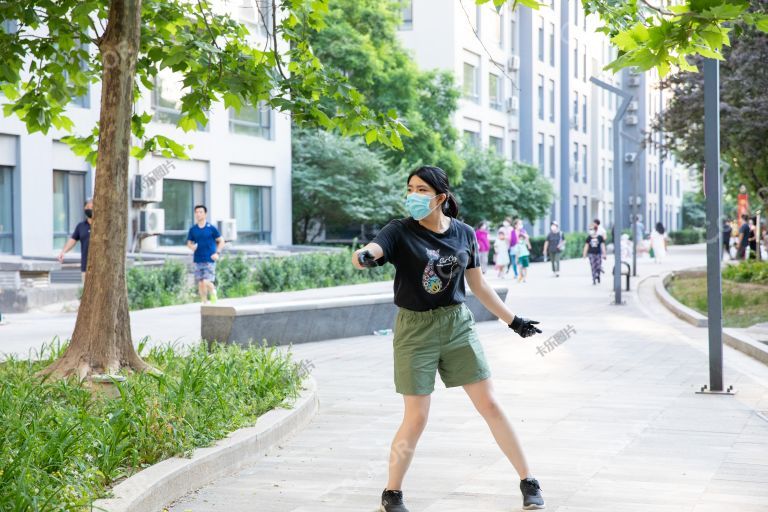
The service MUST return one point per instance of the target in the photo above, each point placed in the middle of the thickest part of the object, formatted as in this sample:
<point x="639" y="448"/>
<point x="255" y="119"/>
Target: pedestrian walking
<point x="522" y="253"/>
<point x="501" y="253"/>
<point x="82" y="234"/>
<point x="511" y="235"/>
<point x="659" y="243"/>
<point x="595" y="249"/>
<point x="433" y="253"/>
<point x="206" y="241"/>
<point x="752" y="239"/>
<point x="600" y="229"/>
<point x="743" y="243"/>
<point x="483" y="244"/>
<point x="554" y="246"/>
<point x="726" y="235"/>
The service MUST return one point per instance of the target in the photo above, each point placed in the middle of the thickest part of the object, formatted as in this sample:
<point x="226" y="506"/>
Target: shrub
<point x="150" y="287"/>
<point x="687" y="236"/>
<point x="747" y="272"/>
<point x="61" y="447"/>
<point x="233" y="277"/>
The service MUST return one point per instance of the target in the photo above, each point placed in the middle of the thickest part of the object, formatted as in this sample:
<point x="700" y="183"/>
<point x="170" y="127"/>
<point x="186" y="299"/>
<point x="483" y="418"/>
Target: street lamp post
<point x="618" y="214"/>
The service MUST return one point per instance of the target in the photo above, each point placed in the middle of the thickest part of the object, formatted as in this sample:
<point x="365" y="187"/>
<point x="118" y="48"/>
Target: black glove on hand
<point x="524" y="327"/>
<point x="366" y="259"/>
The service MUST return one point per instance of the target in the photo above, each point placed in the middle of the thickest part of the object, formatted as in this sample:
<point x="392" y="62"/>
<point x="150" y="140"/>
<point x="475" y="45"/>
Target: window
<point x="584" y="65"/>
<point x="496" y="144"/>
<point x="497" y="27"/>
<point x="166" y="97"/>
<point x="513" y="150"/>
<point x="575" y="166"/>
<point x="471" y="85"/>
<point x="584" y="163"/>
<point x="610" y="137"/>
<point x="584" y="213"/>
<point x="552" y="101"/>
<point x="576" y="13"/>
<point x="575" y="212"/>
<point x="251" y="206"/>
<point x="472" y="138"/>
<point x="179" y="200"/>
<point x="68" y="200"/>
<point x="84" y="100"/>
<point x="541" y="97"/>
<point x="603" y="180"/>
<point x="252" y="121"/>
<point x="407" y="14"/>
<point x="552" y="156"/>
<point x="541" y="39"/>
<point x="551" y="44"/>
<point x="474" y="15"/>
<point x="541" y="153"/>
<point x="8" y="26"/>
<point x="6" y="209"/>
<point x="584" y="113"/>
<point x="256" y="15"/>
<point x="602" y="134"/>
<point x="610" y="176"/>
<point x="677" y="187"/>
<point x="575" y="116"/>
<point x="494" y="91"/>
<point x="576" y="59"/>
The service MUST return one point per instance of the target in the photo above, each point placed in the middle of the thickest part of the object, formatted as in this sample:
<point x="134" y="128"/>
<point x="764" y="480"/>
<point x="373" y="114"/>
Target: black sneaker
<point x="392" y="501"/>
<point x="532" y="499"/>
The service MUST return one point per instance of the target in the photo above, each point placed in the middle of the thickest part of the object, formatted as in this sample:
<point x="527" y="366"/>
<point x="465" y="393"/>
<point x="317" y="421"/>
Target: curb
<point x="683" y="312"/>
<point x="160" y="484"/>
<point x="731" y="337"/>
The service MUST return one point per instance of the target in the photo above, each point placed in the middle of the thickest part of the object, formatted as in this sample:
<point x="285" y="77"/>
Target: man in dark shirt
<point x="553" y="245"/>
<point x="205" y="240"/>
<point x="82" y="234"/>
<point x="743" y="238"/>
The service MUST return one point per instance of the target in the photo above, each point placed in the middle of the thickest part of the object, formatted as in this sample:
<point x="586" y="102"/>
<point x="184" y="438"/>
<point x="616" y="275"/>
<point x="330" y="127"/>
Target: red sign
<point x="742" y="205"/>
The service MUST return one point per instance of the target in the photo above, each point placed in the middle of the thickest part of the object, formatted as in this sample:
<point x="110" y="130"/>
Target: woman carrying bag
<point x="433" y="253"/>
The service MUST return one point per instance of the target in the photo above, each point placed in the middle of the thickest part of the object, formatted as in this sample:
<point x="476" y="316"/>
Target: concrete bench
<point x="311" y="320"/>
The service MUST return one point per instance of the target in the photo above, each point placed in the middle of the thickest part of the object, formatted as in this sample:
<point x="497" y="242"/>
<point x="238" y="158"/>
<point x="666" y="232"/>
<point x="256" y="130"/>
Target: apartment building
<point x="525" y="77"/>
<point x="240" y="167"/>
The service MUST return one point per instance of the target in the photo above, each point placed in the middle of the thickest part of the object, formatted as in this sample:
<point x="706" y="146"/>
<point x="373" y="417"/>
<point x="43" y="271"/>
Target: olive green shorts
<point x="442" y="339"/>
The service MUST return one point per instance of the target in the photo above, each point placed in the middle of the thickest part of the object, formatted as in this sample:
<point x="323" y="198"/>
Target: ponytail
<point x="450" y="205"/>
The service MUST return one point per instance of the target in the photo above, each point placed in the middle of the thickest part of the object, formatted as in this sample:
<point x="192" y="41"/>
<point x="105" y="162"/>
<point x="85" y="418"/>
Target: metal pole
<point x="713" y="191"/>
<point x="618" y="215"/>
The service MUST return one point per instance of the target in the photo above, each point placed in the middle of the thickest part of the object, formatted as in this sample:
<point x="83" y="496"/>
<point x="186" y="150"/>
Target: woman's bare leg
<point x="481" y="394"/>
<point x="404" y="443"/>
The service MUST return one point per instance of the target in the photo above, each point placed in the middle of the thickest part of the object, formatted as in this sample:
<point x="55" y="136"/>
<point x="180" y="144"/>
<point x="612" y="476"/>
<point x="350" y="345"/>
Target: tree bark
<point x="101" y="342"/>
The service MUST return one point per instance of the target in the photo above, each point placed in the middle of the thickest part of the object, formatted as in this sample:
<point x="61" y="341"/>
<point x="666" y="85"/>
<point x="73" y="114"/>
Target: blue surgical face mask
<point x="418" y="205"/>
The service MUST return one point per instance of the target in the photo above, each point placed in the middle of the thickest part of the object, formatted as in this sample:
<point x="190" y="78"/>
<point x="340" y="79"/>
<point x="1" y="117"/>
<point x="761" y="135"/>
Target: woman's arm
<point x="374" y="249"/>
<point x="487" y="295"/>
<point x="605" y="251"/>
<point x="584" y="255"/>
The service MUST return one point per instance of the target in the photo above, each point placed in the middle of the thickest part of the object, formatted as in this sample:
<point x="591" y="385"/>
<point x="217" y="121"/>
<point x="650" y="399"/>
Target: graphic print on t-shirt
<point x="438" y="269"/>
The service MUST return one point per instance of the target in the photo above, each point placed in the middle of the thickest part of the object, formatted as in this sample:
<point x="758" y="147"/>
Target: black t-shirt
<point x="429" y="266"/>
<point x="594" y="244"/>
<point x="744" y="230"/>
<point x="82" y="233"/>
<point x="554" y="240"/>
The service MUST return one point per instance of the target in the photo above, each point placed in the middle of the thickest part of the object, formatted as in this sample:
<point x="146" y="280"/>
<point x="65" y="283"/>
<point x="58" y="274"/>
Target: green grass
<point x="743" y="304"/>
<point x="61" y="447"/>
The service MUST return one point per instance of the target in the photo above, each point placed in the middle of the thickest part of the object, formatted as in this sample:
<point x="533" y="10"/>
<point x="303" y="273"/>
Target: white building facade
<point x="525" y="76"/>
<point x="239" y="167"/>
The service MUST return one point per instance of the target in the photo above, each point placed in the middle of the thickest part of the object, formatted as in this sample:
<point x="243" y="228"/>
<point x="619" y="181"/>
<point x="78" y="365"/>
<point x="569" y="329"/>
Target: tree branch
<point x="274" y="36"/>
<point x="661" y="11"/>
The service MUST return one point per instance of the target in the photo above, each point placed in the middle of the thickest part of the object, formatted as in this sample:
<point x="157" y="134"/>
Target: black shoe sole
<point x="534" y="507"/>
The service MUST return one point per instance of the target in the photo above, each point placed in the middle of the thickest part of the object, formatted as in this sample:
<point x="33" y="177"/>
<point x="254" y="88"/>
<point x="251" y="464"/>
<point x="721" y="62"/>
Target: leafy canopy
<point x="45" y="61"/>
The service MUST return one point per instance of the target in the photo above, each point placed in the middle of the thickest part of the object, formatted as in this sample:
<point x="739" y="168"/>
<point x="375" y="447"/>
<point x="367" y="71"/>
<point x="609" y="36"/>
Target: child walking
<point x="433" y="253"/>
<point x="501" y="253"/>
<point x="523" y="252"/>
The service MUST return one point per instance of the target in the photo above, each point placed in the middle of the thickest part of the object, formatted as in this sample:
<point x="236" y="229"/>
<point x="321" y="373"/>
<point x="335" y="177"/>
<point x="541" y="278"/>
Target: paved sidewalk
<point x="609" y="419"/>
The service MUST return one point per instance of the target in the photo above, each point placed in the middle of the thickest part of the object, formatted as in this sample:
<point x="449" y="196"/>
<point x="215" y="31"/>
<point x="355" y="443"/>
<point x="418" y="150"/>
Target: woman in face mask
<point x="433" y="253"/>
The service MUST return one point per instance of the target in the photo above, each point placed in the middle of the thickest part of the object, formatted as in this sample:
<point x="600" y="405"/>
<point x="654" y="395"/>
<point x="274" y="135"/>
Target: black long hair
<point x="436" y="178"/>
<point x="660" y="228"/>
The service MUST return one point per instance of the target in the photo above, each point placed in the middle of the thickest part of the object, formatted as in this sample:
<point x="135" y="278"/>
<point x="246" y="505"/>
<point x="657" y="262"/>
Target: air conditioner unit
<point x="635" y="71"/>
<point x="513" y="104"/>
<point x="513" y="63"/>
<point x="632" y="107"/>
<point x="228" y="229"/>
<point x="630" y="120"/>
<point x="147" y="189"/>
<point x="633" y="80"/>
<point x="574" y="122"/>
<point x="630" y="157"/>
<point x="152" y="222"/>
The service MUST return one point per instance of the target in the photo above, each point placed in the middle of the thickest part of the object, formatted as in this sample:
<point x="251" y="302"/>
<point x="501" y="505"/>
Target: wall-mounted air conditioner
<point x="633" y="80"/>
<point x="513" y="104"/>
<point x="513" y="63"/>
<point x="146" y="189"/>
<point x="630" y="120"/>
<point x="228" y="229"/>
<point x="152" y="222"/>
<point x="633" y="105"/>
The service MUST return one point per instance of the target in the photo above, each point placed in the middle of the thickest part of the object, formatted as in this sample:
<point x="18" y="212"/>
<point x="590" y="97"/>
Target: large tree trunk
<point x="102" y="341"/>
